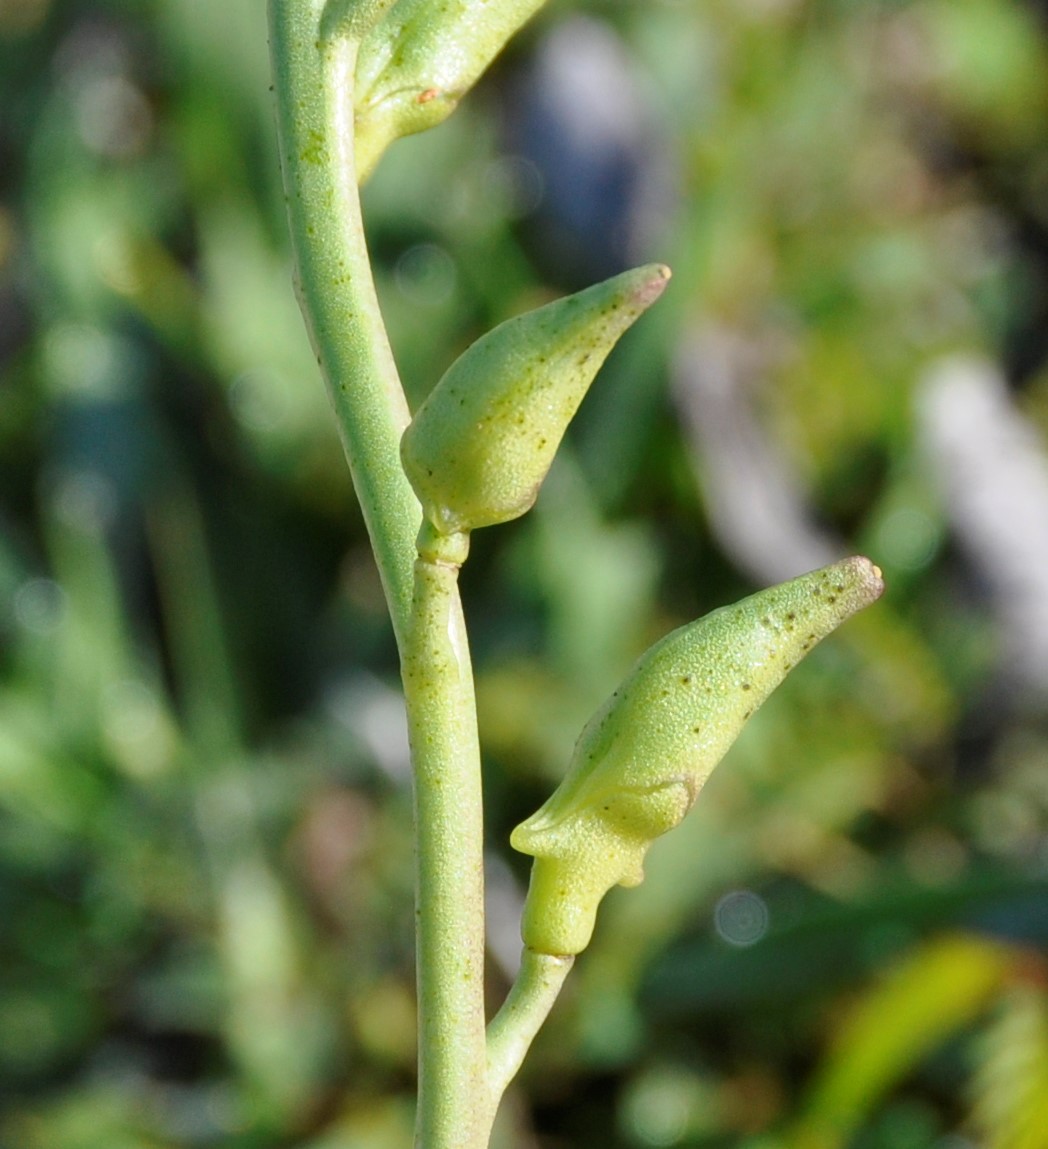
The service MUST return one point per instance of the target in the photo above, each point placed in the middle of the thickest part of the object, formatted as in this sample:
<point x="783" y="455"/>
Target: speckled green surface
<point x="479" y="447"/>
<point x="421" y="60"/>
<point x="313" y="81"/>
<point x="644" y="756"/>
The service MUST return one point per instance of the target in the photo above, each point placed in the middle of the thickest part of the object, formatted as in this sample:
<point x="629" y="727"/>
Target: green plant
<point x="351" y="77"/>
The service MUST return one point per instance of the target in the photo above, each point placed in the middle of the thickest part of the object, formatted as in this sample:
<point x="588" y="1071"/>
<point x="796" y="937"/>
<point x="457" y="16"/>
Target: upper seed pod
<point x="418" y="62"/>
<point x="642" y="759"/>
<point x="480" y="445"/>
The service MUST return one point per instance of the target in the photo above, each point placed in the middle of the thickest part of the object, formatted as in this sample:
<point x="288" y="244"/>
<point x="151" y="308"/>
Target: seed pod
<point x="419" y="61"/>
<point x="480" y="445"/>
<point x="643" y="757"/>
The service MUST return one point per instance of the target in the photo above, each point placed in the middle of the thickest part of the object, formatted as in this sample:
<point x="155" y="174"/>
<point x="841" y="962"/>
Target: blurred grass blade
<point x="1011" y="1081"/>
<point x="203" y="664"/>
<point x="935" y="992"/>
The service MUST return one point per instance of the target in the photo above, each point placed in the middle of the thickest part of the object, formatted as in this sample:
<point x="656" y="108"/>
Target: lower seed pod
<point x="644" y="756"/>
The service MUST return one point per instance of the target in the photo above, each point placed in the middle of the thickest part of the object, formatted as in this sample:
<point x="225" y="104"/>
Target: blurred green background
<point x="205" y="877"/>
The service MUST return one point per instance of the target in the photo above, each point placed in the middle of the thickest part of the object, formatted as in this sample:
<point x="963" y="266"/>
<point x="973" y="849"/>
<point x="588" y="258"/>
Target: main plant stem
<point x="453" y="1108"/>
<point x="313" y="80"/>
<point x="314" y="54"/>
<point x="314" y="83"/>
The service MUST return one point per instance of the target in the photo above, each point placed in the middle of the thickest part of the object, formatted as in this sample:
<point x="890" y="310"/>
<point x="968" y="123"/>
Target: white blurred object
<point x="582" y="117"/>
<point x="503" y="905"/>
<point x="991" y="467"/>
<point x="376" y="715"/>
<point x="757" y="506"/>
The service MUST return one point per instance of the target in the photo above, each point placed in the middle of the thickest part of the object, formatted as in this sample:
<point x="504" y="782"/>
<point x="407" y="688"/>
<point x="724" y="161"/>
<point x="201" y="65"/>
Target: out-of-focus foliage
<point x="205" y="902"/>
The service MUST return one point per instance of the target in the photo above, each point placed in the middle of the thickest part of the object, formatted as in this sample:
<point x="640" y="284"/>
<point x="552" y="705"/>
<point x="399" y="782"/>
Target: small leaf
<point x="644" y="756"/>
<point x="480" y="445"/>
<point x="417" y="64"/>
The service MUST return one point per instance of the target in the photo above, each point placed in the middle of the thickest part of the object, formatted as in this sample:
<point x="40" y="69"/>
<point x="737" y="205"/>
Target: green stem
<point x="313" y="66"/>
<point x="438" y="688"/>
<point x="514" y="1027"/>
<point x="314" y="55"/>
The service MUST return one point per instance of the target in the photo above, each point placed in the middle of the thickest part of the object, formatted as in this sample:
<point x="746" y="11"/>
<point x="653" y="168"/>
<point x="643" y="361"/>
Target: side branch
<point x="513" y="1028"/>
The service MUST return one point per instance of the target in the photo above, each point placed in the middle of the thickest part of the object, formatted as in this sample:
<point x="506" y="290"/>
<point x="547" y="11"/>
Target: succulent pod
<point x="479" y="447"/>
<point x="642" y="759"/>
<point x="353" y="18"/>
<point x="418" y="62"/>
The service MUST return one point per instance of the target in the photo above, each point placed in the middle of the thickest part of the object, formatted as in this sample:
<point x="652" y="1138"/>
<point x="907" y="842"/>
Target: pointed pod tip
<point x="868" y="577"/>
<point x="651" y="282"/>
